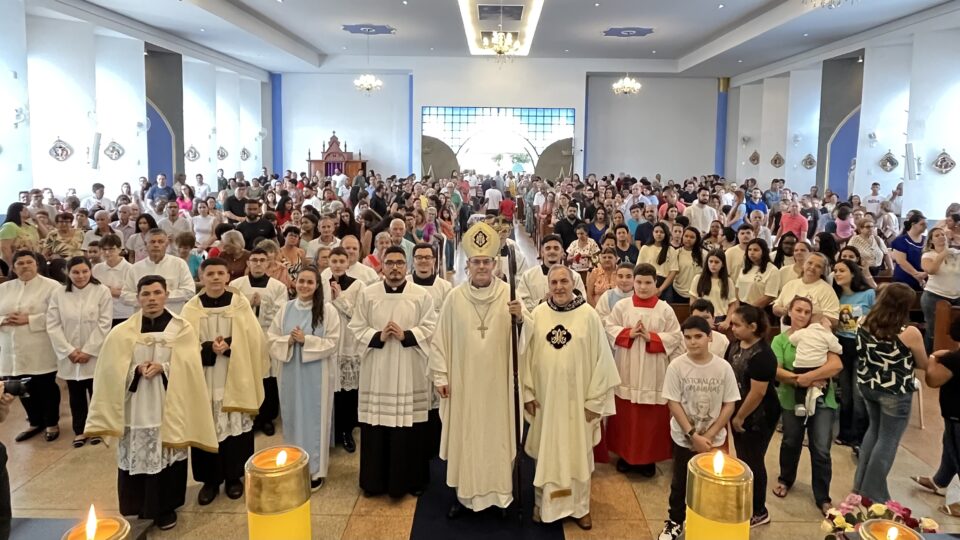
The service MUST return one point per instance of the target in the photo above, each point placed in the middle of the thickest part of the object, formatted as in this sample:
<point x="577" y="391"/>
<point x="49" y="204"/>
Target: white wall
<point x="228" y="120"/>
<point x="250" y="125"/>
<point x="803" y="122"/>
<point x="121" y="88"/>
<point x="199" y="118"/>
<point x="61" y="82"/>
<point x="773" y="127"/>
<point x="934" y="114"/>
<point x="668" y="128"/>
<point x="749" y="125"/>
<point x="730" y="162"/>
<point x="14" y="142"/>
<point x="317" y="104"/>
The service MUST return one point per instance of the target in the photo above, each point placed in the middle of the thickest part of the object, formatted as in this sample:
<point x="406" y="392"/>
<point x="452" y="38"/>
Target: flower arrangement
<point x="856" y="509"/>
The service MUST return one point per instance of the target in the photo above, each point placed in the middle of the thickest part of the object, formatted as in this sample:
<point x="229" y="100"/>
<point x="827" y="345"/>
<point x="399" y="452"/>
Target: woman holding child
<point x="819" y="424"/>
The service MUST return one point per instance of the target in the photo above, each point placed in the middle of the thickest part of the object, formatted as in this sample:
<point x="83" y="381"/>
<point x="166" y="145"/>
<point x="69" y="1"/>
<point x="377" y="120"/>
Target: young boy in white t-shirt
<point x="719" y="341"/>
<point x="812" y="343"/>
<point x="701" y="390"/>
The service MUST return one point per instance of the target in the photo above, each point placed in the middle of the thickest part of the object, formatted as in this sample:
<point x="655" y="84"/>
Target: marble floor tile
<point x="609" y="529"/>
<point x="379" y="527"/>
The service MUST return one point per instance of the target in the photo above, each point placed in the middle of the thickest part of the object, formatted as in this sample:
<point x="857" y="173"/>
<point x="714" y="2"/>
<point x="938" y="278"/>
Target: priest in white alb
<point x="471" y="366"/>
<point x="568" y="380"/>
<point x="646" y="335"/>
<point x="532" y="284"/>
<point x="394" y="321"/>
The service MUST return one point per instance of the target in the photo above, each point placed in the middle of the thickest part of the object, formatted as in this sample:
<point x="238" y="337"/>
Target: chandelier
<point x="627" y="86"/>
<point x="501" y="43"/>
<point x="829" y="4"/>
<point x="368" y="83"/>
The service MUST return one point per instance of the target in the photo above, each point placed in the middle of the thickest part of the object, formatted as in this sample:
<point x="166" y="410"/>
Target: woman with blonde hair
<point x="232" y="251"/>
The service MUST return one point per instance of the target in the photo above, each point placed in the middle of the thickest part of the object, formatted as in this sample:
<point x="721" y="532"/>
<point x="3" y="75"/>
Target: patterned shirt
<point x="884" y="365"/>
<point x="71" y="245"/>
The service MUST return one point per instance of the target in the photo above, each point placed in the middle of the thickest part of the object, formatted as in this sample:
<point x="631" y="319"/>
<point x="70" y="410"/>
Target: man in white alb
<point x="180" y="284"/>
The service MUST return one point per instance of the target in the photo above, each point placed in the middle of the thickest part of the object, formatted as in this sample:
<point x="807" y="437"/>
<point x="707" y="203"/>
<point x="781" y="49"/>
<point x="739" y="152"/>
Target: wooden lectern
<point x="333" y="158"/>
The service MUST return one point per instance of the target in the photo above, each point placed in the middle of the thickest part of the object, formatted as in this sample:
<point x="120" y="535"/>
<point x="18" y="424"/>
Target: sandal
<point x="928" y="484"/>
<point x="51" y="436"/>
<point x="781" y="490"/>
<point x="79" y="442"/>
<point x="95" y="441"/>
<point x="950" y="509"/>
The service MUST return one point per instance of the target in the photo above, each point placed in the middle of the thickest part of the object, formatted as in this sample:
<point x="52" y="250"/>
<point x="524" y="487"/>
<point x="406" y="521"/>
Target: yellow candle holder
<point x="107" y="528"/>
<point x="883" y="529"/>
<point x="719" y="498"/>
<point x="278" y="494"/>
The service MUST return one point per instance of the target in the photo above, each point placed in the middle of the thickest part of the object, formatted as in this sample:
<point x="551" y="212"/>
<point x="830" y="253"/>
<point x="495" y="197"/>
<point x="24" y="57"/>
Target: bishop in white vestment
<point x="568" y="380"/>
<point x="394" y="322"/>
<point x="266" y="296"/>
<point x="471" y="366"/>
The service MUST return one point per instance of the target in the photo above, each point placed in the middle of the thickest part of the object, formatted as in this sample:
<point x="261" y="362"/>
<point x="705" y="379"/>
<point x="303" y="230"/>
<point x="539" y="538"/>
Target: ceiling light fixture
<point x="829" y="4"/>
<point x="368" y="83"/>
<point x="860" y="59"/>
<point x="806" y="34"/>
<point x="596" y="4"/>
<point x="627" y="86"/>
<point x="721" y="6"/>
<point x="739" y="61"/>
<point x="203" y="29"/>
<point x="654" y="51"/>
<point x="404" y="2"/>
<point x="501" y="43"/>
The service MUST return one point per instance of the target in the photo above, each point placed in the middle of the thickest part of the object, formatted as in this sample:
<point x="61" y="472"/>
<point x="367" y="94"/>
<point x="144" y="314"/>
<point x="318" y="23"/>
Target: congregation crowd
<point x="184" y="317"/>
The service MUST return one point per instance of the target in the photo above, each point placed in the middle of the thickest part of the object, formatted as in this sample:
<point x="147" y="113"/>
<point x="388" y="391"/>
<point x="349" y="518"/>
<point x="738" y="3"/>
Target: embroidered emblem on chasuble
<point x="559" y="336"/>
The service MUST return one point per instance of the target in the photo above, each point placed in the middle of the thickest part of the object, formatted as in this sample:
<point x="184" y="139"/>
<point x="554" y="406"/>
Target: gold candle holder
<point x="108" y="528"/>
<point x="278" y="494"/>
<point x="719" y="498"/>
<point x="885" y="529"/>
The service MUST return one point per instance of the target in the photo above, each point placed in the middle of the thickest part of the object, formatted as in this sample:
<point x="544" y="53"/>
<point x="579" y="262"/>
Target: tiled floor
<point x="55" y="480"/>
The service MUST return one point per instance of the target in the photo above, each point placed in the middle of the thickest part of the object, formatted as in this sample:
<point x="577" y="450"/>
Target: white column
<point x="803" y="127"/>
<point x="932" y="125"/>
<point x="14" y="141"/>
<point x="250" y="126"/>
<point x="751" y="104"/>
<point x="62" y="82"/>
<point x="883" y="113"/>
<point x="228" y="121"/>
<point x="773" y="127"/>
<point x="199" y="118"/>
<point x="121" y="104"/>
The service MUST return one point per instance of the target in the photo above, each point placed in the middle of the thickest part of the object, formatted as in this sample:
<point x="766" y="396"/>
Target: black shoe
<point x="348" y="443"/>
<point x="456" y="510"/>
<point x="268" y="429"/>
<point x="207" y="494"/>
<point x="646" y="471"/>
<point x="166" y="521"/>
<point x="417" y="492"/>
<point x="28" y="434"/>
<point x="623" y="466"/>
<point x="315" y="485"/>
<point x="234" y="489"/>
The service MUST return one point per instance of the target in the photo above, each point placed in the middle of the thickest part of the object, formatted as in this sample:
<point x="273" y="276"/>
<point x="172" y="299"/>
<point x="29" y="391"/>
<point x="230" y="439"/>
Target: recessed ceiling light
<point x="654" y="52"/>
<point x="405" y="2"/>
<point x="721" y="6"/>
<point x="344" y="47"/>
<point x="739" y="61"/>
<point x="806" y="34"/>
<point x="203" y="29"/>
<point x="431" y="48"/>
<point x="566" y="50"/>
<point x="596" y="4"/>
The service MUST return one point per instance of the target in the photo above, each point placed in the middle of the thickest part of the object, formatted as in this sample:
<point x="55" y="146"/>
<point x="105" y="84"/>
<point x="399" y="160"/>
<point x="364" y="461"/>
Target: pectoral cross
<point x="483" y="330"/>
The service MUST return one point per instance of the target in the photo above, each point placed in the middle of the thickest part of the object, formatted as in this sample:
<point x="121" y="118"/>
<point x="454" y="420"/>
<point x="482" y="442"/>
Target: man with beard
<point x="470" y="363"/>
<point x="700" y="213"/>
<point x="532" y="285"/>
<point x="255" y="228"/>
<point x="394" y="322"/>
<point x="567" y="228"/>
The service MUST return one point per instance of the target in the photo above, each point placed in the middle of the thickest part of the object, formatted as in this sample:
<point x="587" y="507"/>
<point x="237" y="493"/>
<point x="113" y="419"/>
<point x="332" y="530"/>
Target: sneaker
<point x="800" y="410"/>
<point x="166" y="521"/>
<point x="762" y="519"/>
<point x="316" y="484"/>
<point x="671" y="530"/>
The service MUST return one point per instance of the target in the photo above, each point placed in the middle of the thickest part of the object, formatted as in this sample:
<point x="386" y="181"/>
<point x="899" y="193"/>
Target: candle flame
<point x="91" y="524"/>
<point x="893" y="533"/>
<point x="282" y="458"/>
<point x="718" y="463"/>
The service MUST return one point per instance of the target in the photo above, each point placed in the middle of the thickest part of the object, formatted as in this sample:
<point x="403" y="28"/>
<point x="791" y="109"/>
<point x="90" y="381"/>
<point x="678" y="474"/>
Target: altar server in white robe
<point x="230" y="342"/>
<point x="180" y="284"/>
<point x="646" y="335"/>
<point x="113" y="273"/>
<point x="343" y="291"/>
<point x="471" y="366"/>
<point x="623" y="288"/>
<point x="425" y="275"/>
<point x="266" y="296"/>
<point x="25" y="348"/>
<point x="78" y="319"/>
<point x="394" y="322"/>
<point x="304" y="338"/>
<point x="568" y="381"/>
<point x="150" y="393"/>
<point x="532" y="286"/>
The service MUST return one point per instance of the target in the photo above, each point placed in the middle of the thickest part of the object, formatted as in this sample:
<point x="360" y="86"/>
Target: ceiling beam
<point x="112" y="20"/>
<point x="263" y="28"/>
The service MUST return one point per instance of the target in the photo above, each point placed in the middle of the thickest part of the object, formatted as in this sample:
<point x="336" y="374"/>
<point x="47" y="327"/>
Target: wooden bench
<point x="945" y="315"/>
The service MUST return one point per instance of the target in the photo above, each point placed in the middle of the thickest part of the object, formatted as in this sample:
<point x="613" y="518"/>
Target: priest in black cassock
<point x="394" y="321"/>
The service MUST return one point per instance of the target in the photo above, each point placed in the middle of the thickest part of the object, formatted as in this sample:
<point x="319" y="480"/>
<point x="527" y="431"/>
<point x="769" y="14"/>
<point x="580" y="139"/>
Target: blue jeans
<point x="928" y="303"/>
<point x="819" y="428"/>
<point x="853" y="415"/>
<point x="889" y="415"/>
<point x="448" y="254"/>
<point x="950" y="459"/>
